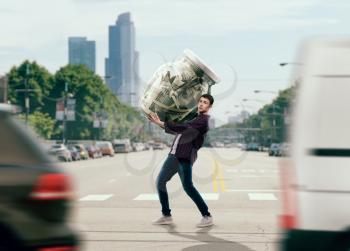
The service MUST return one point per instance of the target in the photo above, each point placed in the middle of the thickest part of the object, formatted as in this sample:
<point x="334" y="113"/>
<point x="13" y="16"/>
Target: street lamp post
<point x="64" y="113"/>
<point x="26" y="99"/>
<point x="64" y="122"/>
<point x="289" y="63"/>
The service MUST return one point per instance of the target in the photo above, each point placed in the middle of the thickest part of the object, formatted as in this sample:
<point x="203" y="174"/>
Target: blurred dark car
<point x="253" y="147"/>
<point x="158" y="146"/>
<point x="74" y="152"/>
<point x="274" y="149"/>
<point x="61" y="152"/>
<point x="82" y="150"/>
<point x="35" y="195"/>
<point x="93" y="151"/>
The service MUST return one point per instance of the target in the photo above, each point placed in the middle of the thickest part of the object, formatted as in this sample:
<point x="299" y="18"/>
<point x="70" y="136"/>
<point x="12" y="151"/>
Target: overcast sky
<point x="249" y="37"/>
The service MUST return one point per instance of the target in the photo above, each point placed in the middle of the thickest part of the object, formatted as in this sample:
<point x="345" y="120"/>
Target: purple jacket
<point x="189" y="137"/>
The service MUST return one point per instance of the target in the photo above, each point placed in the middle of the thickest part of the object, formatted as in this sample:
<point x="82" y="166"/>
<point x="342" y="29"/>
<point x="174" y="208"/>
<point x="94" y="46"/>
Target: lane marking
<point x="147" y="196"/>
<point x="254" y="176"/>
<point x="215" y="175"/>
<point x="262" y="196"/>
<point x="253" y="190"/>
<point x="221" y="180"/>
<point x="232" y="170"/>
<point x="96" y="197"/>
<point x="210" y="196"/>
<point x="154" y="196"/>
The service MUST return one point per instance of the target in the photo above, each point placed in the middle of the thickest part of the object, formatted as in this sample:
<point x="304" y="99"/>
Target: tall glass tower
<point x="82" y="51"/>
<point x="122" y="68"/>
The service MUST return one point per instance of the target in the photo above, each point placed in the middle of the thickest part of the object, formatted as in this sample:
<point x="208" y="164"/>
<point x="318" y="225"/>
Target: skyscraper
<point x="122" y="63"/>
<point x="82" y="51"/>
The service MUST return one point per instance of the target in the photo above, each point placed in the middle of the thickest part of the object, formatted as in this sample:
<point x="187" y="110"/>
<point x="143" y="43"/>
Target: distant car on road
<point x="74" y="152"/>
<point x="138" y="146"/>
<point x="93" y="151"/>
<point x="122" y="145"/>
<point x="253" y="147"/>
<point x="274" y="149"/>
<point x="35" y="194"/>
<point x="82" y="150"/>
<point x="61" y="152"/>
<point x="106" y="148"/>
<point x="158" y="146"/>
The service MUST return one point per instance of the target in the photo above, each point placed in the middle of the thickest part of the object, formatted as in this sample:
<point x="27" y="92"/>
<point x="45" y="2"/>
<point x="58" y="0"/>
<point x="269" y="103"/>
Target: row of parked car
<point x="275" y="149"/>
<point x="74" y="152"/>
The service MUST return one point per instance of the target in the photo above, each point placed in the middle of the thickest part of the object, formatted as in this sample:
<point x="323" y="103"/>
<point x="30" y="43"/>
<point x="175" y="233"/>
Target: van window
<point x="329" y="111"/>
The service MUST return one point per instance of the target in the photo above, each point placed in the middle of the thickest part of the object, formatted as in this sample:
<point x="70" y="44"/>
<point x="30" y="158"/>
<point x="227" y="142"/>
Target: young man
<point x="189" y="138"/>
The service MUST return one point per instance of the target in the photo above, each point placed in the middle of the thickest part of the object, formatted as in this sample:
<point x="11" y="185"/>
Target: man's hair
<point x="209" y="97"/>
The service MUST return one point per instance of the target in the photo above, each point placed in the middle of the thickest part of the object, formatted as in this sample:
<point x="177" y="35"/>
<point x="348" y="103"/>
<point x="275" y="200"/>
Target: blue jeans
<point x="171" y="166"/>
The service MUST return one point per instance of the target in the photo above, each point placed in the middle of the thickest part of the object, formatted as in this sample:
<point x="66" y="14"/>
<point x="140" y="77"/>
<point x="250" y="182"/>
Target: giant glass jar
<point x="175" y="88"/>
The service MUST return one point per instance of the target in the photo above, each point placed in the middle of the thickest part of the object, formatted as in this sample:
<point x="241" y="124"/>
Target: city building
<point x="82" y="51"/>
<point x="122" y="63"/>
<point x="238" y="118"/>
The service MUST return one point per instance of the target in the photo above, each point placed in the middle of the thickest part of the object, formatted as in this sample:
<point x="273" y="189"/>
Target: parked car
<point x="35" y="194"/>
<point x="82" y="150"/>
<point x="74" y="152"/>
<point x="106" y="148"/>
<point x="253" y="147"/>
<point x="274" y="149"/>
<point x="93" y="151"/>
<point x="138" y="146"/>
<point x="284" y="149"/>
<point x="315" y="179"/>
<point x="61" y="152"/>
<point x="122" y="145"/>
<point x="158" y="146"/>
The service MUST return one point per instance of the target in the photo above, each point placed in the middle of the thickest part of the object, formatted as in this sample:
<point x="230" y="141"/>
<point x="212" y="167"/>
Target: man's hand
<point x="153" y="117"/>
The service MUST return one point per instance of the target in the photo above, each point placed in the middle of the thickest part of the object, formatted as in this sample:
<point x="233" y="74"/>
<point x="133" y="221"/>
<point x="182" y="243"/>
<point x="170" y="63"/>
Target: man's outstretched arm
<point x="173" y="127"/>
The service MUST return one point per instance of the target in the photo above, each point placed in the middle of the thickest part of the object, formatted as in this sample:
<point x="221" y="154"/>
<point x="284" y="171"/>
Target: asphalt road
<point x="116" y="202"/>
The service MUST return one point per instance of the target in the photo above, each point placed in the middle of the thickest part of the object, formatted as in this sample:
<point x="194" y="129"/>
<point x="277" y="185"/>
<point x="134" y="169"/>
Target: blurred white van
<point x="316" y="179"/>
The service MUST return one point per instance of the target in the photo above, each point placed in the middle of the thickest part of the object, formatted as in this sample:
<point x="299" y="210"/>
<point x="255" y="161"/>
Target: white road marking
<point x="251" y="171"/>
<point x="154" y="196"/>
<point x="96" y="197"/>
<point x="210" y="196"/>
<point x="262" y="196"/>
<point x="253" y="190"/>
<point x="254" y="176"/>
<point x="232" y="170"/>
<point x="147" y="196"/>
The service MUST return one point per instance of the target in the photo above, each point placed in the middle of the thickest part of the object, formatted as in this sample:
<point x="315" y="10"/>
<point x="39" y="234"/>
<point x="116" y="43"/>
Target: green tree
<point x="92" y="97"/>
<point x="34" y="77"/>
<point x="41" y="123"/>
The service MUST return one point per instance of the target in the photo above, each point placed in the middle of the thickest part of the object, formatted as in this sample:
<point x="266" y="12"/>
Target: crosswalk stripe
<point x="154" y="196"/>
<point x="262" y="196"/>
<point x="252" y="190"/>
<point x="96" y="197"/>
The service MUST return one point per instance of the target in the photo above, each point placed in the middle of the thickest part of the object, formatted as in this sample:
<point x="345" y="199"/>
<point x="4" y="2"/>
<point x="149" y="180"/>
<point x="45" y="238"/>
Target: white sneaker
<point x="206" y="221"/>
<point x="164" y="220"/>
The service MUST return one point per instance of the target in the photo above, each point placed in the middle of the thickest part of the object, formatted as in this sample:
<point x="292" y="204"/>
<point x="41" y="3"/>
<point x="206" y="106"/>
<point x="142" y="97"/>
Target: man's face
<point x="203" y="105"/>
